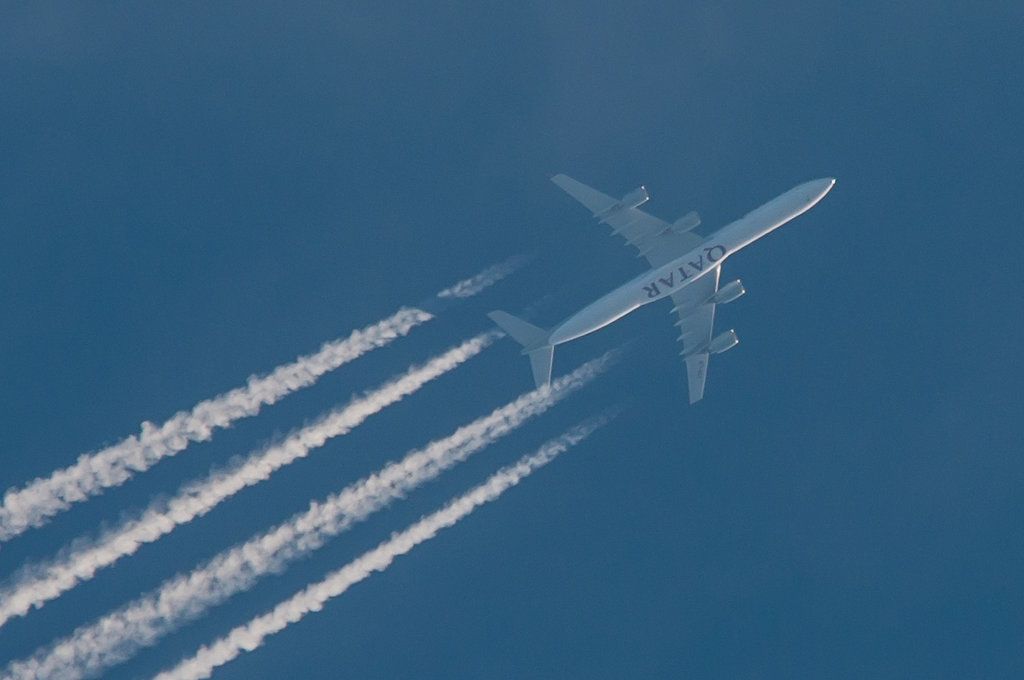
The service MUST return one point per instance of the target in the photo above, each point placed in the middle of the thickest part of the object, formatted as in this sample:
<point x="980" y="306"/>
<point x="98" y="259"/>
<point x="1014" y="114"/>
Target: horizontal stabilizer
<point x="526" y="334"/>
<point x="540" y="361"/>
<point x="534" y="341"/>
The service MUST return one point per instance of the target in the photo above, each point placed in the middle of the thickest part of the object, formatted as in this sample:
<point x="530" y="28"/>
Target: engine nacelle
<point x="723" y="343"/>
<point x="728" y="293"/>
<point x="634" y="198"/>
<point x="687" y="222"/>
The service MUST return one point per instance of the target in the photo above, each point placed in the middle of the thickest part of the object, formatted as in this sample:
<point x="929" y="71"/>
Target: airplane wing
<point x="655" y="239"/>
<point x="696" y="320"/>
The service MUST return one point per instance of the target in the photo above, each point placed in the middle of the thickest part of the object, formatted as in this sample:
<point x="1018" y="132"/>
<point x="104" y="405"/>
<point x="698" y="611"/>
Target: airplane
<point x="685" y="267"/>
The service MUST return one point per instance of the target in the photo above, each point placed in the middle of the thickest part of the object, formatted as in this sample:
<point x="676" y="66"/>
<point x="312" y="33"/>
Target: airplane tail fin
<point x="534" y="341"/>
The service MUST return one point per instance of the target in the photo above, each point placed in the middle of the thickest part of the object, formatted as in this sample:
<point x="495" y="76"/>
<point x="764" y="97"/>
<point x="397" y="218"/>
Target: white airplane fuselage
<point x="669" y="278"/>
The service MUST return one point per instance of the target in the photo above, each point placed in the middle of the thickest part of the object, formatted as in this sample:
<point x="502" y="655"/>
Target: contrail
<point x="34" y="504"/>
<point x="36" y="584"/>
<point x="312" y="598"/>
<point x="485" y="279"/>
<point x="118" y="635"/>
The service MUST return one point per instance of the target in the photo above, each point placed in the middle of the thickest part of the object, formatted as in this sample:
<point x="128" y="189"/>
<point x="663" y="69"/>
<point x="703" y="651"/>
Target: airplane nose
<point x="819" y="187"/>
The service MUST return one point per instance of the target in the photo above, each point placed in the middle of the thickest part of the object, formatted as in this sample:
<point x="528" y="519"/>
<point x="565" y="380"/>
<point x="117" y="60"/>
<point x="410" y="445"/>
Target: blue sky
<point x="190" y="195"/>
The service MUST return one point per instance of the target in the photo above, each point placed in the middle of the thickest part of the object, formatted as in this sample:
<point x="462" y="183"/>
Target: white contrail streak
<point x="312" y="598"/>
<point x="120" y="634"/>
<point x="36" y="584"/>
<point x="35" y="503"/>
<point x="488" y="277"/>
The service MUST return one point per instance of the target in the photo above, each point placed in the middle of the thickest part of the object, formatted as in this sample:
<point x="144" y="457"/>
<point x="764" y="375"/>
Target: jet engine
<point x="723" y="342"/>
<point x="687" y="222"/>
<point x="634" y="198"/>
<point x="728" y="293"/>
